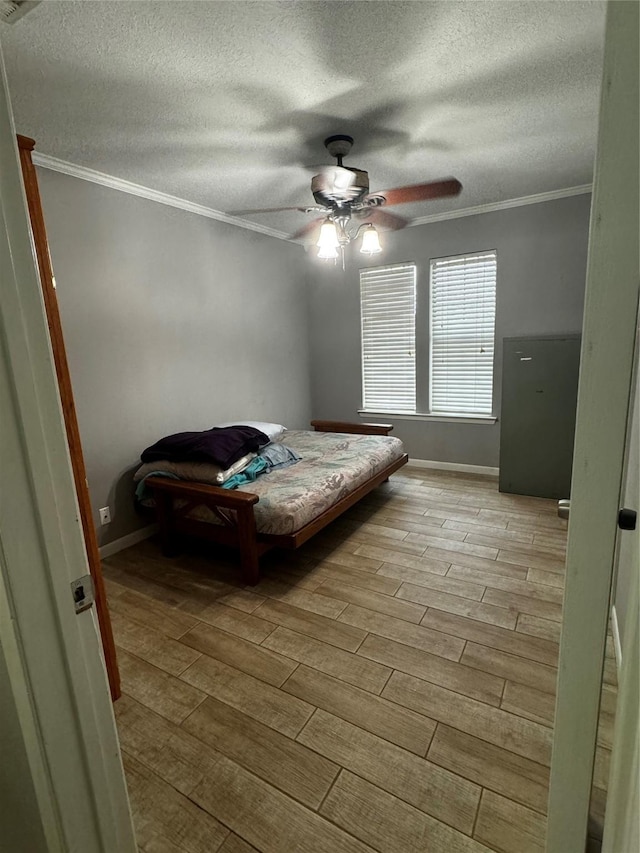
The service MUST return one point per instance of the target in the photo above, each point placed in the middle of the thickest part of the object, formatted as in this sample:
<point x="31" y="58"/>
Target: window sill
<point x="441" y="418"/>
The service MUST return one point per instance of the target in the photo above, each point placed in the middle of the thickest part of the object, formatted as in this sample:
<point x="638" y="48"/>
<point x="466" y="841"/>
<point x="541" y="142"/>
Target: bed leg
<point x="248" y="538"/>
<point x="164" y="507"/>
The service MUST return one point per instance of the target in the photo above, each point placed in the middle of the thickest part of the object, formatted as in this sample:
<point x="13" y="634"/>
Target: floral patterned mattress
<point x="332" y="465"/>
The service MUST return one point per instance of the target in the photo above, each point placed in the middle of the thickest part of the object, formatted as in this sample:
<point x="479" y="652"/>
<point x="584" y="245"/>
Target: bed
<point x="340" y="464"/>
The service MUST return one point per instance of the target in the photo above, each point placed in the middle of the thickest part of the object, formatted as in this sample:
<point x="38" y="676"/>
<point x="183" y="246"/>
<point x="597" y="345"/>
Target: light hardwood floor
<point x="389" y="686"/>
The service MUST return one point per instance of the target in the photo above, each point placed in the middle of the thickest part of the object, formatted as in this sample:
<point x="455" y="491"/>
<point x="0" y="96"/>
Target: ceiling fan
<point x="342" y="194"/>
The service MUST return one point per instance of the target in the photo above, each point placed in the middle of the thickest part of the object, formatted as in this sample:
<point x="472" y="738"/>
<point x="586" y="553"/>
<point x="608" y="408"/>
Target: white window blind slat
<point x="463" y="299"/>
<point x="388" y="310"/>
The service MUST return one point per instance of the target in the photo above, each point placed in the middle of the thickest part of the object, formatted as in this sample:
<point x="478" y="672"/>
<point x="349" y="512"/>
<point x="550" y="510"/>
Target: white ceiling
<point x="224" y="103"/>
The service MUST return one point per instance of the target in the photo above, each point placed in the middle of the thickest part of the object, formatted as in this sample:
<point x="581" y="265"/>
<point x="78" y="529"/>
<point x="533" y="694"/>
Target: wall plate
<point x="82" y="592"/>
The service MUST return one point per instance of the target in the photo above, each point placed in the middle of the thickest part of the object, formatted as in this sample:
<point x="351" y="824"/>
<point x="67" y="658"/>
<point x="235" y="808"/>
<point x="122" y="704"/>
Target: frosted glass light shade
<point x="328" y="238"/>
<point x="327" y="253"/>
<point x="370" y="242"/>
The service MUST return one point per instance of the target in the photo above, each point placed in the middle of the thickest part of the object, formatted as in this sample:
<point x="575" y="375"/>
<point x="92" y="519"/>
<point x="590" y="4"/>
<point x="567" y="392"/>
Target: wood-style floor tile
<point x="509" y="827"/>
<point x="495" y="567"/>
<point x="383" y="718"/>
<point x="290" y="766"/>
<point x="434" y="790"/>
<point x="364" y="579"/>
<point x="152" y="614"/>
<point x="473" y="525"/>
<point x="328" y="630"/>
<point x="364" y="541"/>
<point x="455" y="547"/>
<point x="537" y="627"/>
<point x="418" y="577"/>
<point x="524" y="548"/>
<point x="462" y="679"/>
<point x="549" y="578"/>
<point x="456" y="604"/>
<point x="524" y="645"/>
<point x="168" y="696"/>
<point x="418" y="637"/>
<point x="386" y="555"/>
<point x="323" y="605"/>
<point x="162" y="746"/>
<point x="533" y="561"/>
<point x="345" y="558"/>
<point x="502" y="771"/>
<point x="162" y="815"/>
<point x="424" y="525"/>
<point x="366" y="530"/>
<point x="365" y="694"/>
<point x="235" y="844"/>
<point x="266" y="818"/>
<point x="543" y="592"/>
<point x="261" y="701"/>
<point x="528" y="702"/>
<point x="346" y="666"/>
<point x="254" y="660"/>
<point x="511" y="667"/>
<point x="501" y="728"/>
<point x="236" y="622"/>
<point x="151" y="645"/>
<point x="389" y="824"/>
<point x="379" y="602"/>
<point x="524" y="604"/>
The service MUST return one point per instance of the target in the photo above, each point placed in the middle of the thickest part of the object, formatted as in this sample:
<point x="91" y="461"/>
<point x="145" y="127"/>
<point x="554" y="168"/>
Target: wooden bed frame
<point x="235" y="509"/>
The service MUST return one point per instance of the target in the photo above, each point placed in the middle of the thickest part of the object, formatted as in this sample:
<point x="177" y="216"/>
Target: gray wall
<point x="172" y="322"/>
<point x="542" y="252"/>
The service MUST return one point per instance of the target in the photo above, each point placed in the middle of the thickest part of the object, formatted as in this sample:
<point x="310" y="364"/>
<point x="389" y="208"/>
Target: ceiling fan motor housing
<point x="327" y="193"/>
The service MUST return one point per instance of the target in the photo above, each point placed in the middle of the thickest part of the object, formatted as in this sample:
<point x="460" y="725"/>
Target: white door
<point x="622" y="820"/>
<point x="61" y="781"/>
<point x="603" y="400"/>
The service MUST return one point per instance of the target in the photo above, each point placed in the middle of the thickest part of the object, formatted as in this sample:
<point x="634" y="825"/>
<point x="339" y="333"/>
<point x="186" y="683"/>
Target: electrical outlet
<point x="105" y="515"/>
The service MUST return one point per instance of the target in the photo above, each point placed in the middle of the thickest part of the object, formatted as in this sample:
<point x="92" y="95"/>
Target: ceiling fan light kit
<point x="342" y="192"/>
<point x="370" y="241"/>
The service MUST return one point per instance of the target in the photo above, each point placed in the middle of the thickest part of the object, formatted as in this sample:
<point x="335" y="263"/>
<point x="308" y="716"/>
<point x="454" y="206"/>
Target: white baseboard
<point x="127" y="541"/>
<point x="454" y="466"/>
<point x="615" y="630"/>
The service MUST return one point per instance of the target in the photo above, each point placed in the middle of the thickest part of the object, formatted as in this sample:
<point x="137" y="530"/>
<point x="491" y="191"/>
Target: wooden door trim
<point x="41" y="245"/>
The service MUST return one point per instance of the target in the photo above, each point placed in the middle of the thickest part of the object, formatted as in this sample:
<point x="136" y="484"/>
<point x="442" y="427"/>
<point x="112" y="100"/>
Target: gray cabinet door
<point x="538" y="415"/>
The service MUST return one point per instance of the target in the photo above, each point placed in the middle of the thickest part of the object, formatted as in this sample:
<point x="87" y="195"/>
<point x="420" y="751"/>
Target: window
<point x="453" y="374"/>
<point x="463" y="310"/>
<point x="388" y="313"/>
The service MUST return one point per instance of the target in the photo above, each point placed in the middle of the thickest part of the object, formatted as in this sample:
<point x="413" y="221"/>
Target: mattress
<point x="332" y="466"/>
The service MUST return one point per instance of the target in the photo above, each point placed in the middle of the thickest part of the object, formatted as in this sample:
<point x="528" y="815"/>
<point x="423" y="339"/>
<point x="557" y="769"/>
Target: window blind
<point x="388" y="315"/>
<point x="463" y="308"/>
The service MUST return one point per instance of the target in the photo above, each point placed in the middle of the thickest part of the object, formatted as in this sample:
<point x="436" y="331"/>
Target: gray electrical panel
<point x="538" y="414"/>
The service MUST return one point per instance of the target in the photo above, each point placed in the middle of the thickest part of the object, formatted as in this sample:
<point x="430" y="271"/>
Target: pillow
<point x="220" y="445"/>
<point x="274" y="431"/>
<point x="199" y="472"/>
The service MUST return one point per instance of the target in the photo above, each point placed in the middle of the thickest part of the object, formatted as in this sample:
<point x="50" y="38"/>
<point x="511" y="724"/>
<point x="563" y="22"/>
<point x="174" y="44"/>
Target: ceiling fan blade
<point x="265" y="210"/>
<point x="382" y="219"/>
<point x="421" y="192"/>
<point x="307" y="229"/>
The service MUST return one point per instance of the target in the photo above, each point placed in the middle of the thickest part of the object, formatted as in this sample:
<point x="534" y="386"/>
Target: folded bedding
<point x="219" y="445"/>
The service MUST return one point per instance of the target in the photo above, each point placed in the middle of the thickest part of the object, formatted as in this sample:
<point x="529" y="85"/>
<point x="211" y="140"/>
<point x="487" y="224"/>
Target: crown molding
<point x="85" y="174"/>
<point x="56" y="165"/>
<point x="502" y="205"/>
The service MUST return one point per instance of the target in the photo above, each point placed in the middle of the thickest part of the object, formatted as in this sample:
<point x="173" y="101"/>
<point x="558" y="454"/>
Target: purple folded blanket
<point x="222" y="445"/>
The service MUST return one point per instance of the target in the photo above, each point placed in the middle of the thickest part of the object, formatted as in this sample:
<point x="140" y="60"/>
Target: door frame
<point x="56" y="681"/>
<point x="603" y="400"/>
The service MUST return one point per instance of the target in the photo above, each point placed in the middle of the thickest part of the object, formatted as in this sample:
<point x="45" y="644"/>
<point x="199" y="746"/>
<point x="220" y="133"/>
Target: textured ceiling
<point x="224" y="103"/>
